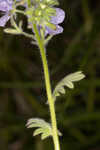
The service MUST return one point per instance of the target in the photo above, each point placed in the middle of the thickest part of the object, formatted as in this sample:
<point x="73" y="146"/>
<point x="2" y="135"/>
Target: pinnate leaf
<point x="67" y="81"/>
<point x="43" y="127"/>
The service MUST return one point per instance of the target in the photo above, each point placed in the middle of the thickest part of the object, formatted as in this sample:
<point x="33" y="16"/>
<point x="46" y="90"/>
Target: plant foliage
<point x="67" y="81"/>
<point x="43" y="127"/>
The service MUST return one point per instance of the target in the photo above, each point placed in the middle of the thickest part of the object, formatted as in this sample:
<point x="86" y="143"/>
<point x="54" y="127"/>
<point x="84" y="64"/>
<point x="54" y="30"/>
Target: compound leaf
<point x="44" y="128"/>
<point x="67" y="81"/>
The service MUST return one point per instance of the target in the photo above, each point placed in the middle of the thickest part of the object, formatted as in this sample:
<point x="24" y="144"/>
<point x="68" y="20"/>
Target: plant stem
<point x="29" y="3"/>
<point x="48" y="88"/>
<point x="20" y="11"/>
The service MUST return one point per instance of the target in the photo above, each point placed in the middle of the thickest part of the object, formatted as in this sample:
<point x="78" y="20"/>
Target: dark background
<point x="22" y="89"/>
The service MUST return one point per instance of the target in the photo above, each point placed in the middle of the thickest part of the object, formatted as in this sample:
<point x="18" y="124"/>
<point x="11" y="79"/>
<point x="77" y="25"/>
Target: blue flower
<point x="56" y="20"/>
<point x="5" y="7"/>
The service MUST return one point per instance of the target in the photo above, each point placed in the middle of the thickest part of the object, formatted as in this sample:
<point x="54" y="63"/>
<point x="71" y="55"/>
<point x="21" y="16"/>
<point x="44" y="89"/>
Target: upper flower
<point x="57" y="19"/>
<point x="46" y="16"/>
<point x="5" y="7"/>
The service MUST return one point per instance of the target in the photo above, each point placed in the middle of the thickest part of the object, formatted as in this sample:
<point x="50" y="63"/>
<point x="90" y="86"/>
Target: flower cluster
<point x="41" y="12"/>
<point x="46" y="16"/>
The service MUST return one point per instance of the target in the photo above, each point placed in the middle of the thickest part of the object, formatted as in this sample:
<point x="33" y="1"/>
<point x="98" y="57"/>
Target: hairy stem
<point x="48" y="88"/>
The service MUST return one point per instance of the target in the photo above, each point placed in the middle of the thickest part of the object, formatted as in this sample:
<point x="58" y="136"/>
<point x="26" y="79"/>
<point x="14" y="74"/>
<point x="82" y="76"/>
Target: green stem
<point x="20" y="30"/>
<point x="48" y="88"/>
<point x="29" y="3"/>
<point x="20" y="12"/>
<point x="28" y="35"/>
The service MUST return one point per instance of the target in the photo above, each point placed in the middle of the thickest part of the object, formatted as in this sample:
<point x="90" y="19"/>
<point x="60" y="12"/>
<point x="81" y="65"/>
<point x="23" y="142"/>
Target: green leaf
<point x="38" y="131"/>
<point x="44" y="128"/>
<point x="67" y="81"/>
<point x="44" y="136"/>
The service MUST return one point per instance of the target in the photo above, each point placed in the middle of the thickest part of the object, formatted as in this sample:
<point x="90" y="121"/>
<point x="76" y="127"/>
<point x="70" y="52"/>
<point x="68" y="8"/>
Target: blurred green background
<point x="22" y="89"/>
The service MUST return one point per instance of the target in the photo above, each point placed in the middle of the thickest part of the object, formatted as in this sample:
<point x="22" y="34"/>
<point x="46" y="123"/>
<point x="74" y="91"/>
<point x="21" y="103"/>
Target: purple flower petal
<point x="5" y="5"/>
<point x="58" y="30"/>
<point x="59" y="18"/>
<point x="4" y="19"/>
